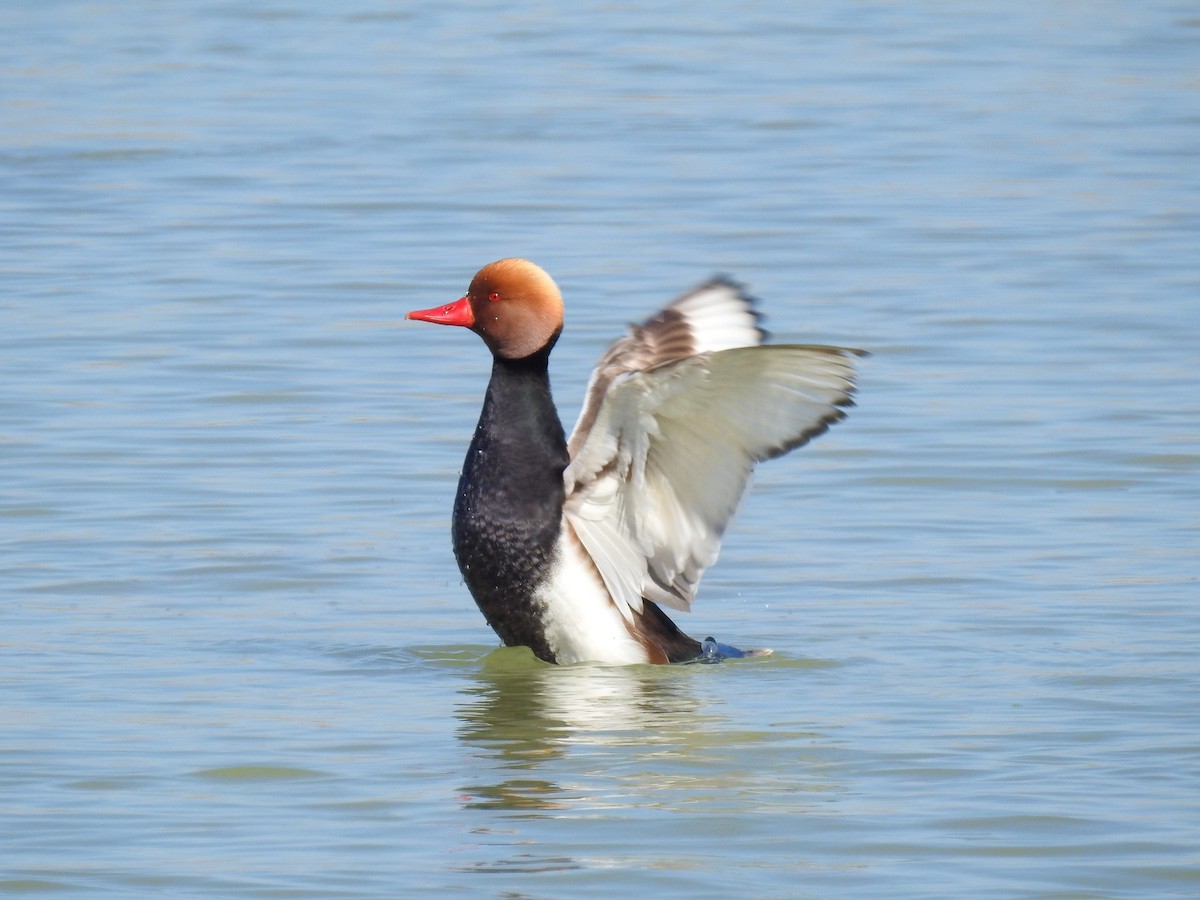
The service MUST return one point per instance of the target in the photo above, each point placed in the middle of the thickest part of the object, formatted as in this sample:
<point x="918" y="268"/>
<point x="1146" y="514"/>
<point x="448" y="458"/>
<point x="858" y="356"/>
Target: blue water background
<point x="236" y="658"/>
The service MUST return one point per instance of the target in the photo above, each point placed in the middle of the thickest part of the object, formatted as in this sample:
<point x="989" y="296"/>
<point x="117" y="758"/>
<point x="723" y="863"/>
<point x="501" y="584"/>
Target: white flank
<point x="582" y="624"/>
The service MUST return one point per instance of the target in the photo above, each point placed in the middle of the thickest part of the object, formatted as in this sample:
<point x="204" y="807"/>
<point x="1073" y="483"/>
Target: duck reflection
<point x="525" y="714"/>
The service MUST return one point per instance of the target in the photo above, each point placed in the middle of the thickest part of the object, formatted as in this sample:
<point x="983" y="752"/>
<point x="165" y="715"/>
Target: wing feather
<point x="717" y="315"/>
<point x="668" y="450"/>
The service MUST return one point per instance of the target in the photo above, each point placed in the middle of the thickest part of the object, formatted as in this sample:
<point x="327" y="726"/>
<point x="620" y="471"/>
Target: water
<point x="237" y="657"/>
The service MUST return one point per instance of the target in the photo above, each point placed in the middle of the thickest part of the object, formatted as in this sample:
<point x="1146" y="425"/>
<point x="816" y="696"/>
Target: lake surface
<point x="236" y="657"/>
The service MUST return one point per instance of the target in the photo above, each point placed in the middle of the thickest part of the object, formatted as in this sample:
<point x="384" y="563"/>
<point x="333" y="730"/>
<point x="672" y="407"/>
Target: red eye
<point x="493" y="296"/>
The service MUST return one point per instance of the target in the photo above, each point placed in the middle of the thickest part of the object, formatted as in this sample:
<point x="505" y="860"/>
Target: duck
<point x="573" y="545"/>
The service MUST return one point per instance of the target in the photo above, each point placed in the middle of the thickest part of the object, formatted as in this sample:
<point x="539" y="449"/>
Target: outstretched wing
<point x="666" y="443"/>
<point x="717" y="315"/>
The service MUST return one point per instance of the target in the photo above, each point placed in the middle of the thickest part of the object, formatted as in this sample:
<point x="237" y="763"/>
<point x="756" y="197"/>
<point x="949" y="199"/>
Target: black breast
<point x="508" y="511"/>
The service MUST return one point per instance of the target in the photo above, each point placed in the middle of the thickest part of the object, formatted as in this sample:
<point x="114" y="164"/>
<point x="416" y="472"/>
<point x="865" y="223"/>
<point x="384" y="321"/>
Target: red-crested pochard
<point x="570" y="546"/>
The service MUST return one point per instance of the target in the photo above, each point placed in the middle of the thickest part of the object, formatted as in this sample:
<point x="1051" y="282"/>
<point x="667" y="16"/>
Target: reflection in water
<point x="525" y="713"/>
<point x="628" y="759"/>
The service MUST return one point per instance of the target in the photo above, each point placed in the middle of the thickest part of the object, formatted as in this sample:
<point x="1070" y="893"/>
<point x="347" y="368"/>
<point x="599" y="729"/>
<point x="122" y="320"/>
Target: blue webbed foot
<point x="713" y="651"/>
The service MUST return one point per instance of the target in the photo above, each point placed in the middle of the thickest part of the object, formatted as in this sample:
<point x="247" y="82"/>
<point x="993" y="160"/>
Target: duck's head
<point x="512" y="304"/>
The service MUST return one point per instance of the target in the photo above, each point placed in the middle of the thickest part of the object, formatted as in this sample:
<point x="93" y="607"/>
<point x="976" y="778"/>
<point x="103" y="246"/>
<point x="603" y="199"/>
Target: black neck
<point x="519" y="440"/>
<point x="508" y="511"/>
